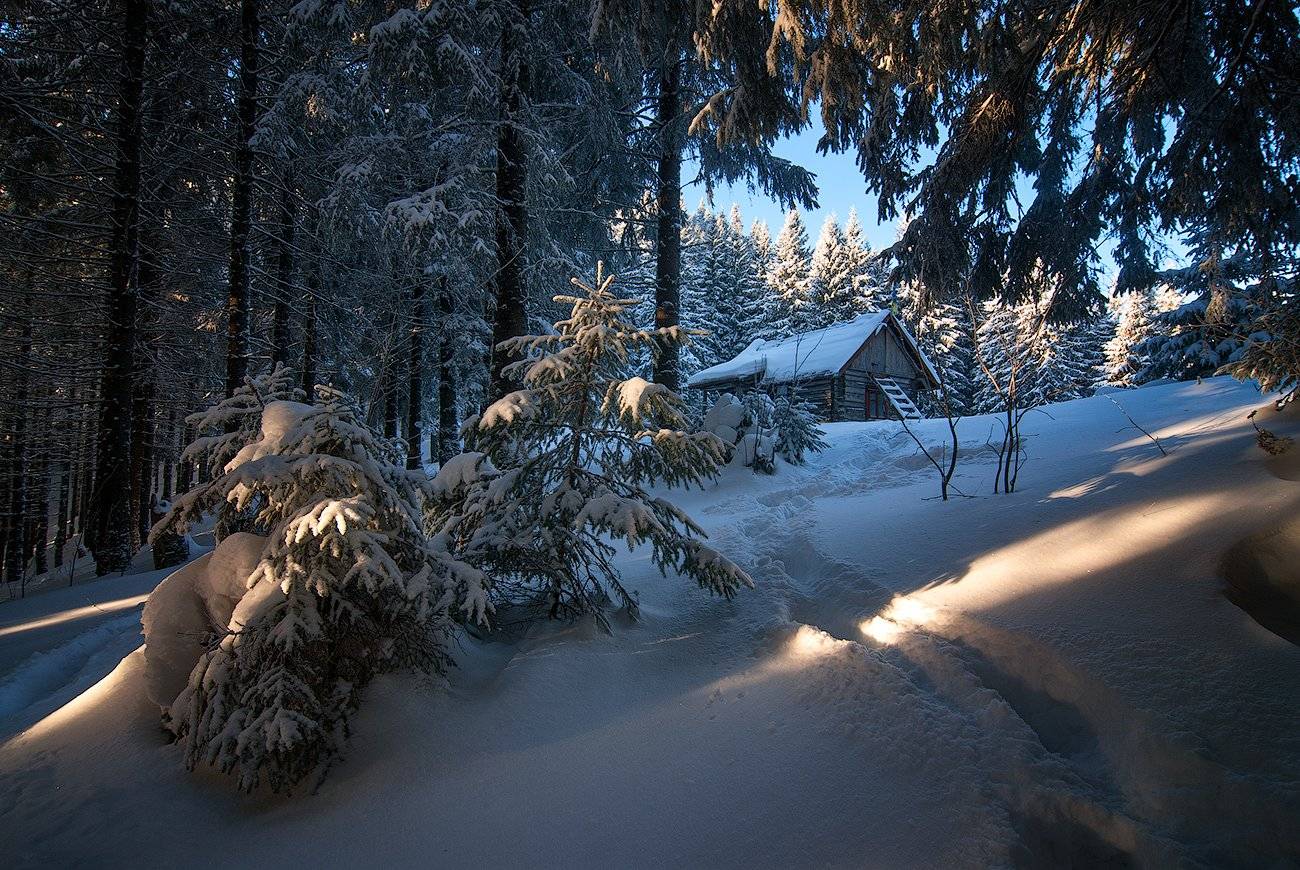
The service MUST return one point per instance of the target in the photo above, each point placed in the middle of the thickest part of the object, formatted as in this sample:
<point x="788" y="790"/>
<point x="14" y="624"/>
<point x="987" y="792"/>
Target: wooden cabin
<point x="867" y="368"/>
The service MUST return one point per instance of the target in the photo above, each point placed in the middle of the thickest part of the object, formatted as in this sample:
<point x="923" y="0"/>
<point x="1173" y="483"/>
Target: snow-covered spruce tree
<point x="1132" y="313"/>
<point x="347" y="587"/>
<point x="232" y="423"/>
<point x="1272" y="354"/>
<point x="560" y="467"/>
<point x="832" y="276"/>
<point x="788" y="279"/>
<point x="1210" y="329"/>
<point x="798" y="432"/>
<point x="945" y="333"/>
<point x="871" y="289"/>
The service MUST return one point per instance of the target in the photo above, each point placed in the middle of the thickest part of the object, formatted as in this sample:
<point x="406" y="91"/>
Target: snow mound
<point x="1263" y="574"/>
<point x="190" y="606"/>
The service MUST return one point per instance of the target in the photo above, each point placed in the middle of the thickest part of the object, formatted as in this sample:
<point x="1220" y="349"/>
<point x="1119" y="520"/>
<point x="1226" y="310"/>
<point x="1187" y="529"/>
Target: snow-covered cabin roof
<point x="812" y="354"/>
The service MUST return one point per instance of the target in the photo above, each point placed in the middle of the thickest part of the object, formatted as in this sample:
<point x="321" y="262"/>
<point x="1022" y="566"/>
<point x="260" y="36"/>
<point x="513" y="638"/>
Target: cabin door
<point x="876" y="403"/>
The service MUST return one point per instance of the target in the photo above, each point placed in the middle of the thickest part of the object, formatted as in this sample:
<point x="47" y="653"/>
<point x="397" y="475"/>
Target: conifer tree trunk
<point x="237" y="302"/>
<point x="75" y="465"/>
<point x="185" y="473"/>
<point x="309" y="325"/>
<point x="112" y="534"/>
<point x="168" y="488"/>
<point x="509" y="282"/>
<point x="415" y="379"/>
<point x="64" y="474"/>
<point x="668" y="247"/>
<point x="38" y="508"/>
<point x="149" y="283"/>
<point x="448" y="435"/>
<point x="15" y="560"/>
<point x="284" y="273"/>
<point x="6" y="519"/>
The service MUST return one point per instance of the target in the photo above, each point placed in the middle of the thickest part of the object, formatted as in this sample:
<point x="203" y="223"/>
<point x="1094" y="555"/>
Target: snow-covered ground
<point x="1039" y="679"/>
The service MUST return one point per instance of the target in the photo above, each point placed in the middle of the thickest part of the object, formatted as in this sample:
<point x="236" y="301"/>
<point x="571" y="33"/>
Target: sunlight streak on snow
<point x="106" y="607"/>
<point x="901" y="615"/>
<point x="84" y="705"/>
<point x="1090" y="545"/>
<point x="809" y="642"/>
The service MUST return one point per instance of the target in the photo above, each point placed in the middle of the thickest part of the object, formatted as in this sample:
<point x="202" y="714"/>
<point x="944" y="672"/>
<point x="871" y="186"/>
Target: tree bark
<point x="309" y="333"/>
<point x="415" y="379"/>
<point x="509" y="317"/>
<point x="15" y="543"/>
<point x="38" y="506"/>
<point x="238" y="303"/>
<point x="448" y="424"/>
<point x="668" y="205"/>
<point x="149" y="282"/>
<point x="112" y="538"/>
<point x="61" y="530"/>
<point x="284" y="272"/>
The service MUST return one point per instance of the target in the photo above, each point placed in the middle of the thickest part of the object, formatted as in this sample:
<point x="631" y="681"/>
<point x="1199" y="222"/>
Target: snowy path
<point x="1046" y="678"/>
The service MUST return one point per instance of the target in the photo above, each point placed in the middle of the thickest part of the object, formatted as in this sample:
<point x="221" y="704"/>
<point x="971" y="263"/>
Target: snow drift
<point x="193" y="605"/>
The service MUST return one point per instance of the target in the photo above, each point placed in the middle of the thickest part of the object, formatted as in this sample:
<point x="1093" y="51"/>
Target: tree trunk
<point x="185" y="474"/>
<point x="142" y="407"/>
<point x="415" y="379"/>
<point x="238" y="303"/>
<point x="668" y="204"/>
<point x="309" y="334"/>
<point x="38" y="509"/>
<point x="448" y="424"/>
<point x="389" y="395"/>
<point x="168" y="489"/>
<point x="509" y="283"/>
<point x="61" y="529"/>
<point x="15" y="543"/>
<point x="112" y="538"/>
<point x="284" y="272"/>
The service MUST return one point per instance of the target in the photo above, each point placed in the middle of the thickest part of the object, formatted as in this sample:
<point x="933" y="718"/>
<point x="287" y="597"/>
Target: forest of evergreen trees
<point x="376" y="194"/>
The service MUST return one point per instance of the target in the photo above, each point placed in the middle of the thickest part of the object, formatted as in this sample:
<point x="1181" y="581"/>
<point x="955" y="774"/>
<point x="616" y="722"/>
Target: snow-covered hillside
<point x="1032" y="679"/>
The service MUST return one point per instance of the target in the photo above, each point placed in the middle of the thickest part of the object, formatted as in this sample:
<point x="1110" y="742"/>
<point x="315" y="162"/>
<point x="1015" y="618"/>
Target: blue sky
<point x="840" y="187"/>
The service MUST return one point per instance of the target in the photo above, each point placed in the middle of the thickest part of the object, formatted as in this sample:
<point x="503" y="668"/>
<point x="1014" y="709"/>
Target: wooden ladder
<point x="902" y="403"/>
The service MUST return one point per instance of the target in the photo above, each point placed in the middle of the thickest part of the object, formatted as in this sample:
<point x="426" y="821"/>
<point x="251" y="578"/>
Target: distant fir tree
<point x="761" y="235"/>
<point x="870" y="275"/>
<point x="1067" y="360"/>
<point x="562" y="467"/>
<point x="831" y="273"/>
<point x="1132" y="314"/>
<point x="788" y="279"/>
<point x="745" y="265"/>
<point x="1211" y="328"/>
<point x="722" y="295"/>
<point x="1013" y="345"/>
<point x="946" y="336"/>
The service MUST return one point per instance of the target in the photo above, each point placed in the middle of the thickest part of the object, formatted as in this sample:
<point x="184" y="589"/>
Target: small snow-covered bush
<point x="760" y="428"/>
<point x="560" y="467"/>
<point x="346" y="587"/>
<point x="798" y="431"/>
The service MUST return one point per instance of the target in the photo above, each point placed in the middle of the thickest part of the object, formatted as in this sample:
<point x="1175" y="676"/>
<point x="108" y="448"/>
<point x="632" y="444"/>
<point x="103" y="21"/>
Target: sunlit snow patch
<point x="902" y="614"/>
